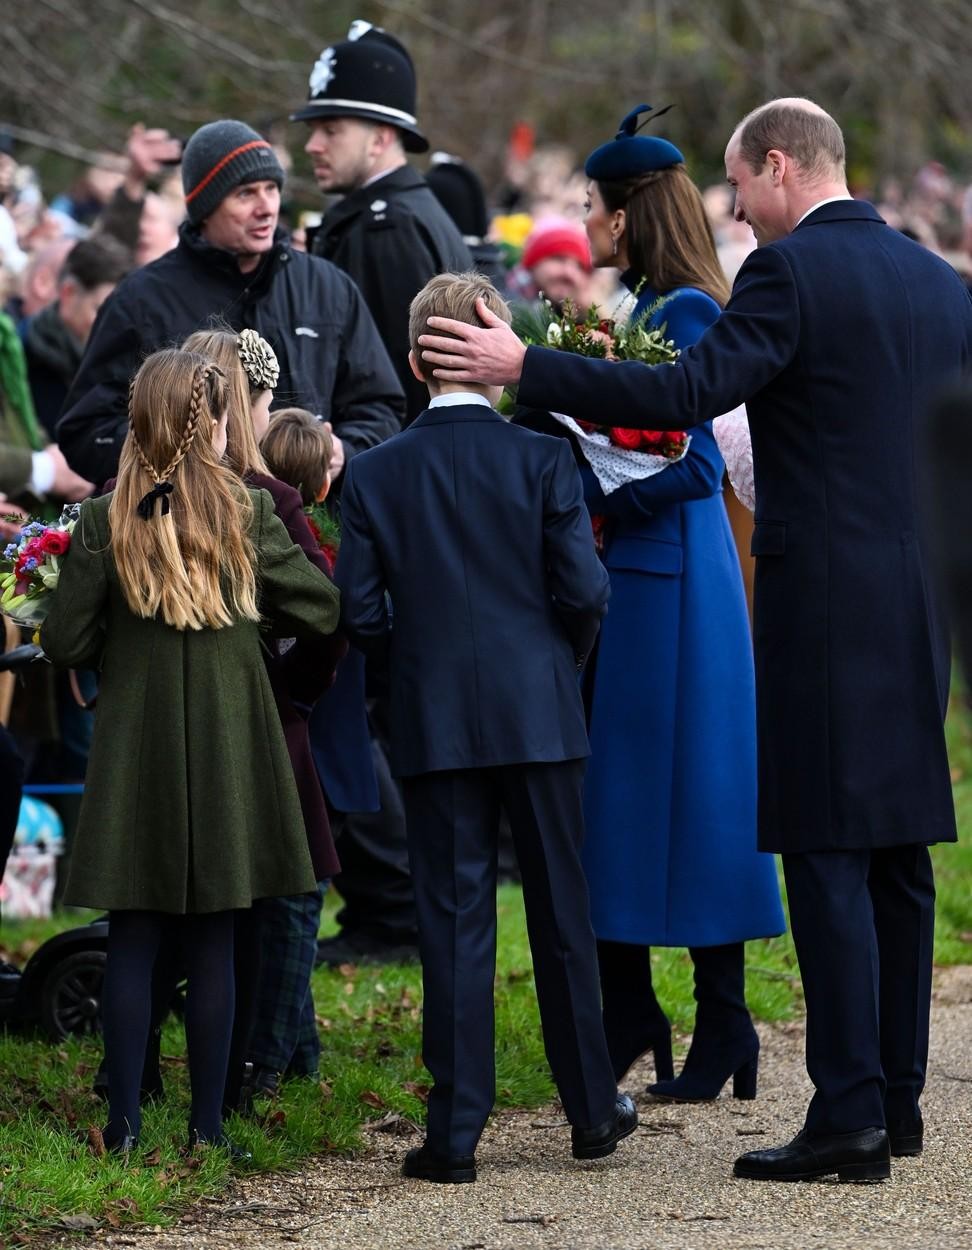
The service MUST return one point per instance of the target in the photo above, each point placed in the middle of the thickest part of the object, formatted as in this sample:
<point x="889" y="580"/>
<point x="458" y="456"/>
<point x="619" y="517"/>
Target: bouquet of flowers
<point x="31" y="566"/>
<point x="326" y="530"/>
<point x="616" y="455"/>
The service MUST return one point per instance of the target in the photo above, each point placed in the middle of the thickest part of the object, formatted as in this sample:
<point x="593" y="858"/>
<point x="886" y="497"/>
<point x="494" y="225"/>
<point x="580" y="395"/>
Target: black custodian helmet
<point x="368" y="75"/>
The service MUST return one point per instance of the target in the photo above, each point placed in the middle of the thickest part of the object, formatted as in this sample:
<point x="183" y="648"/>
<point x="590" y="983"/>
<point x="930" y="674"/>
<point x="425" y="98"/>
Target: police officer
<point x="389" y="232"/>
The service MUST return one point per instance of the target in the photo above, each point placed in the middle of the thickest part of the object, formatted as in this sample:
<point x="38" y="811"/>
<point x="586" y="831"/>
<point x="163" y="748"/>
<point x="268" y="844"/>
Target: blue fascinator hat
<point x="629" y="154"/>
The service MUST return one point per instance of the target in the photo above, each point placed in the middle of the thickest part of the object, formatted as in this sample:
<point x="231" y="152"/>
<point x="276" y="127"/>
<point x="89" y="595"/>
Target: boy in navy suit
<point x="467" y="555"/>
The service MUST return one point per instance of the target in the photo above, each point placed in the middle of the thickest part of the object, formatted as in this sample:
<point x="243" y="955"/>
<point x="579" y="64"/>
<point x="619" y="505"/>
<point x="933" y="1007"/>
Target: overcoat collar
<point x="401" y="180"/>
<point x="453" y="413"/>
<point x="841" y="210"/>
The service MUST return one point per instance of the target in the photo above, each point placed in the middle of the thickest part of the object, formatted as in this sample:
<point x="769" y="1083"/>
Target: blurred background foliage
<point x="894" y="73"/>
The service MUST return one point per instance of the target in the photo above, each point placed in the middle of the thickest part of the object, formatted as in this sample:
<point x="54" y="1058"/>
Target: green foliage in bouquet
<point x="603" y="338"/>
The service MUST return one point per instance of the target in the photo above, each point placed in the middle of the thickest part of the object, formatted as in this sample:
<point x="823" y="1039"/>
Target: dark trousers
<point x="863" y="926"/>
<point x="453" y="822"/>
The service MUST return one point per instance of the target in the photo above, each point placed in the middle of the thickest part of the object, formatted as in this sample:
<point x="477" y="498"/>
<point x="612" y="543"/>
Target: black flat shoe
<point x="907" y="1137"/>
<point x="861" y="1156"/>
<point x="595" y="1143"/>
<point x="702" y="1079"/>
<point x="124" y="1145"/>
<point x="423" y="1164"/>
<point x="239" y="1154"/>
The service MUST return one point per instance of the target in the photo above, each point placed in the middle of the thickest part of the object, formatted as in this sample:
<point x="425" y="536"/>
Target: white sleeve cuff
<point x="42" y="473"/>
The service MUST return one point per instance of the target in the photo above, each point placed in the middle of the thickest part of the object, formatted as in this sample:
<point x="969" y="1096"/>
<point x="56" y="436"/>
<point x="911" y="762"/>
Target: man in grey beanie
<point x="234" y="264"/>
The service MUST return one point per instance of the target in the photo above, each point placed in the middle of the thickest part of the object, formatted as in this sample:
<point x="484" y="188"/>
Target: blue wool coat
<point x="670" y="797"/>
<point x="837" y="337"/>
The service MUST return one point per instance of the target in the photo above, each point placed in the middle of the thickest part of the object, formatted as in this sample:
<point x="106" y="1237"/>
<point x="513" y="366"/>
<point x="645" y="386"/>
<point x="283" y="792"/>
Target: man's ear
<point x="413" y="365"/>
<point x="776" y="161"/>
<point x="323" y="493"/>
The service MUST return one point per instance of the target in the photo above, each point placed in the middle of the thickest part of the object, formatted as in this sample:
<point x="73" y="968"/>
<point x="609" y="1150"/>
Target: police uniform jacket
<point x="391" y="237"/>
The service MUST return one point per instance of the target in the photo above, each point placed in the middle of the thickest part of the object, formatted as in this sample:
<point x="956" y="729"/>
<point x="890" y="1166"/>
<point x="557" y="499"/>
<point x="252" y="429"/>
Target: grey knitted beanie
<point x="218" y="158"/>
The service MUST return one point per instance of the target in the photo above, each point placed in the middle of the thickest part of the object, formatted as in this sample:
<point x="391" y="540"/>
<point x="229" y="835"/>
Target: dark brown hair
<point x="807" y="134"/>
<point x="667" y="235"/>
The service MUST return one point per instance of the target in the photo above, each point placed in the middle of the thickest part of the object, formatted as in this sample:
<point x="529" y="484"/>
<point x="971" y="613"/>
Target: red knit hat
<point x="556" y="236"/>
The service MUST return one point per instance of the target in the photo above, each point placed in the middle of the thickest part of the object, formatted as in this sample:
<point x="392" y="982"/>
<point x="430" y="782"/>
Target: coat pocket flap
<point x="769" y="539"/>
<point x="645" y="555"/>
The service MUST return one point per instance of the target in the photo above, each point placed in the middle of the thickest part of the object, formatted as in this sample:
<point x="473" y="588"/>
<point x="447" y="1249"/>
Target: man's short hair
<point x="451" y="295"/>
<point x="298" y="450"/>
<point x="808" y="135"/>
<point x="95" y="261"/>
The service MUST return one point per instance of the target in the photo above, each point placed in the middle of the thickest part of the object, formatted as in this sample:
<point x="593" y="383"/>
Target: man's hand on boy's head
<point x="490" y="354"/>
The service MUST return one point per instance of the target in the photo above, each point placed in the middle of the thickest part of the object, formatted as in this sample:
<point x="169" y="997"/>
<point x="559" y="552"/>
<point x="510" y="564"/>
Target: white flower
<point x="323" y="72"/>
<point x="554" y="334"/>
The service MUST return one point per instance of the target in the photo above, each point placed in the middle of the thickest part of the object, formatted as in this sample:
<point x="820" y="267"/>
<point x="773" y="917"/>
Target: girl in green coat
<point x="190" y="809"/>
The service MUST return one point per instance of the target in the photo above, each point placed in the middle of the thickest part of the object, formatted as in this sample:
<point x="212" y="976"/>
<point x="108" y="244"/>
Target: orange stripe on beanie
<point x="219" y="157"/>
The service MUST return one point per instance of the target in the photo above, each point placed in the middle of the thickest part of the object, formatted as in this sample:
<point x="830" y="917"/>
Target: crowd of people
<point x="226" y="389"/>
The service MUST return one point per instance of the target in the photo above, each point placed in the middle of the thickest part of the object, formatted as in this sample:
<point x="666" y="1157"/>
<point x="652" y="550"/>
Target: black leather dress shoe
<point x="595" y="1143"/>
<point x="364" y="946"/>
<point x="124" y="1145"/>
<point x="861" y="1156"/>
<point x="423" y="1164"/>
<point x="907" y="1137"/>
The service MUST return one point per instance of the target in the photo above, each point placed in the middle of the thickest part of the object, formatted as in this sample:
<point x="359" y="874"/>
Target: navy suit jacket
<point x="467" y="551"/>
<point x="836" y="337"/>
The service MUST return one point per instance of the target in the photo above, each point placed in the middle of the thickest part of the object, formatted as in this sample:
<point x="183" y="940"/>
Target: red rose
<point x="630" y="439"/>
<point x="652" y="438"/>
<point x="55" y="542"/>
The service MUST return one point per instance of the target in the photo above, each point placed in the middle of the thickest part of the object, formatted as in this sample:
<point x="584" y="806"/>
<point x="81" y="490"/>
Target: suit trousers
<point x="863" y="925"/>
<point x="453" y="820"/>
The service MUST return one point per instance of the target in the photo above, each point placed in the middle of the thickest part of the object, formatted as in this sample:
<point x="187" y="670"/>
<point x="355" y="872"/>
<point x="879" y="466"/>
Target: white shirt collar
<point x="451" y="398"/>
<point x="370" y="182"/>
<point x="833" y="199"/>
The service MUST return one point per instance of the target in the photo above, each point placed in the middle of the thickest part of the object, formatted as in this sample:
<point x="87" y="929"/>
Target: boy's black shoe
<point x="907" y="1137"/>
<point x="595" y="1143"/>
<point x="424" y="1164"/>
<point x="365" y="946"/>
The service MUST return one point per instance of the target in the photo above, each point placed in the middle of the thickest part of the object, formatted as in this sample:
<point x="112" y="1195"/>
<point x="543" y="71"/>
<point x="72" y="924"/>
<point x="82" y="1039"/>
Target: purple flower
<point x="30" y="564"/>
<point x="10" y="551"/>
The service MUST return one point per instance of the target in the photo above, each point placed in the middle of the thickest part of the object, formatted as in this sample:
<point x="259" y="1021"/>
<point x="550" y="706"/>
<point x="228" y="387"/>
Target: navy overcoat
<point x="476" y="533"/>
<point x="836" y="337"/>
<point x="670" y="794"/>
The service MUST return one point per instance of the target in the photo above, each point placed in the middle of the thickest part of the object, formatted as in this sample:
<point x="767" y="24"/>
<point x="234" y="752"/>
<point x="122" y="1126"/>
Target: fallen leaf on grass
<point x="82" y="1222"/>
<point x="153" y="1158"/>
<point x="420" y="1090"/>
<point x="372" y="1099"/>
<point x="96" y="1141"/>
<point x="326" y="1091"/>
<point x="347" y="970"/>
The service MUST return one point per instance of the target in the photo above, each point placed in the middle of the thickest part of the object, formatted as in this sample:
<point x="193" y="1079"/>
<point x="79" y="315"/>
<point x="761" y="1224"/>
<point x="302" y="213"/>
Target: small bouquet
<point x="616" y="455"/>
<point x="326" y="530"/>
<point x="31" y="566"/>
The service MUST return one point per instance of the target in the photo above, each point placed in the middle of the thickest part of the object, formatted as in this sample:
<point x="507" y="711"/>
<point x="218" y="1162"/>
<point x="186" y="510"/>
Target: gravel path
<point x="669" y="1185"/>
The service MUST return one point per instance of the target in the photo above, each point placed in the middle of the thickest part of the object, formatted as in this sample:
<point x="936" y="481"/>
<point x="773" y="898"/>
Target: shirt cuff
<point x="41" y="473"/>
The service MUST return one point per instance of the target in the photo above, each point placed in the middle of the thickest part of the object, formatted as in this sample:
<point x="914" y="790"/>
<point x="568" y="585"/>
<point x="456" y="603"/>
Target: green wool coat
<point x="190" y="803"/>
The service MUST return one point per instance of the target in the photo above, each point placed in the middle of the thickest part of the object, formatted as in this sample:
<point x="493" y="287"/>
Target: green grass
<point x="370" y="1024"/>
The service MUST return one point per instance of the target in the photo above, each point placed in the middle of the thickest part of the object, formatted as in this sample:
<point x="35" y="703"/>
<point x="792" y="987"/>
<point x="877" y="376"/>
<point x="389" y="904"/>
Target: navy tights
<point x="134" y="939"/>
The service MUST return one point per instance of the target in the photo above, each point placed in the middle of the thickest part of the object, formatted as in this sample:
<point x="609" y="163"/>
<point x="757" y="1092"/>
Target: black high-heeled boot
<point x="633" y="1019"/>
<point x="724" y="1043"/>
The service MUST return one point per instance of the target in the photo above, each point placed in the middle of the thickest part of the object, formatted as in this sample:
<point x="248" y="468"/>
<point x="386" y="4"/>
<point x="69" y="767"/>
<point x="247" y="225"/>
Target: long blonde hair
<point x="179" y="520"/>
<point x="221" y="345"/>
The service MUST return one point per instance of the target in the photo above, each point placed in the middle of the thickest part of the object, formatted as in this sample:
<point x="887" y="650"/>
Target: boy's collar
<point x="451" y="398"/>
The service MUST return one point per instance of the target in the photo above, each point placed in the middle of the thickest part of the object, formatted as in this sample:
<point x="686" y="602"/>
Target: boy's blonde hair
<point x="186" y="555"/>
<point x="298" y="449"/>
<point x="222" y="346"/>
<point x="451" y="295"/>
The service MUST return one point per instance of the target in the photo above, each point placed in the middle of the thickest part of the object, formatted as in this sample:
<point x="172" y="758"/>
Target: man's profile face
<point x="245" y="221"/>
<point x="79" y="307"/>
<point x="758" y="202"/>
<point x="342" y="152"/>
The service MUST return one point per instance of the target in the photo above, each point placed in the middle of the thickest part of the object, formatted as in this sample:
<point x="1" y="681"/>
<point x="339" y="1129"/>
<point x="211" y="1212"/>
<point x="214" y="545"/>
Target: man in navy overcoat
<point x="467" y="554"/>
<point x="838" y="333"/>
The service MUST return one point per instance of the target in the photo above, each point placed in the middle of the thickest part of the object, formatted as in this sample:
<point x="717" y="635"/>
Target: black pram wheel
<point x="70" y="997"/>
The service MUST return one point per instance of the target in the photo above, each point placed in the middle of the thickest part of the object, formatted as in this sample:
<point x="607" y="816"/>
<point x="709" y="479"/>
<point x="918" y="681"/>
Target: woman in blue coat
<point x="671" y="787"/>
